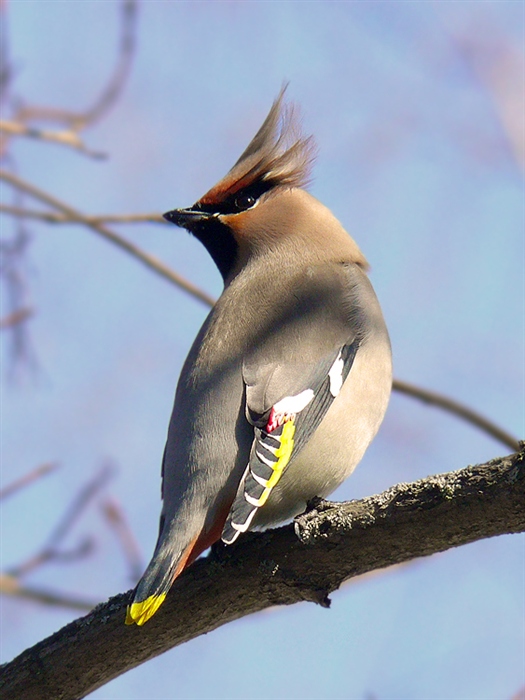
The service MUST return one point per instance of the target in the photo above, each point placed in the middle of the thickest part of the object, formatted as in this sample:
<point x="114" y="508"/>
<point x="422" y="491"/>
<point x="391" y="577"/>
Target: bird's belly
<point x="340" y="441"/>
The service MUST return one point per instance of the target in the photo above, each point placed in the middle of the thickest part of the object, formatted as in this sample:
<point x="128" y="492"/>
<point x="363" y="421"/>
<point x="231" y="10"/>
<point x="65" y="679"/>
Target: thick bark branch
<point x="280" y="567"/>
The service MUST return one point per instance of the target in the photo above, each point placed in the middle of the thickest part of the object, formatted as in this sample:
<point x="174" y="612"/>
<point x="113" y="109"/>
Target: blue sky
<point x="414" y="161"/>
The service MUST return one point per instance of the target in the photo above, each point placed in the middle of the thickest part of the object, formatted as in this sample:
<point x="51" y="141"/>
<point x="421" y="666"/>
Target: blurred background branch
<point x="25" y="115"/>
<point x="12" y="586"/>
<point x="53" y="552"/>
<point x="445" y="403"/>
<point x="498" y="68"/>
<point x="27" y="479"/>
<point x="147" y="259"/>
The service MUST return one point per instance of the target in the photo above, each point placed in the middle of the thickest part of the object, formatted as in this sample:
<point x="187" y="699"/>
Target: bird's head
<point x="231" y="214"/>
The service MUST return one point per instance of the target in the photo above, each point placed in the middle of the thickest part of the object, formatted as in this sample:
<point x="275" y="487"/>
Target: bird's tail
<point x="180" y="542"/>
<point x="158" y="578"/>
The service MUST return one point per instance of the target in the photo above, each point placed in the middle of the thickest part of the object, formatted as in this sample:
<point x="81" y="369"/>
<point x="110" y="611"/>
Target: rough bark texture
<point x="304" y="561"/>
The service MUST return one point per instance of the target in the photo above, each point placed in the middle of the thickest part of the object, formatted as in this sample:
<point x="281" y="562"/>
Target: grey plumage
<point x="297" y="318"/>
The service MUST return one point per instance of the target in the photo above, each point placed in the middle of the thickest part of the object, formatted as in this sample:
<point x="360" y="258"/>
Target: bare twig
<point x="47" y="555"/>
<point x="15" y="317"/>
<point x="12" y="586"/>
<point x="86" y="494"/>
<point x="27" y="479"/>
<point x="13" y="273"/>
<point x="122" y="69"/>
<point x="54" y="218"/>
<point x="520" y="695"/>
<point x="68" y="138"/>
<point x="76" y="121"/>
<point x="458" y="409"/>
<point x="50" y="551"/>
<point x="499" y="70"/>
<point x="5" y="64"/>
<point x="149" y="260"/>
<point x="403" y="387"/>
<point x="119" y="524"/>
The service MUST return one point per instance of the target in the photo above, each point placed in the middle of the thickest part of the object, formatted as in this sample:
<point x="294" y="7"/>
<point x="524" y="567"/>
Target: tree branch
<point x="279" y="567"/>
<point x="149" y="260"/>
<point x="26" y="479"/>
<point x="77" y="121"/>
<point x="96" y="223"/>
<point x="9" y="585"/>
<point x="53" y="218"/>
<point x="458" y="409"/>
<point x="71" y="139"/>
<point x="15" y="318"/>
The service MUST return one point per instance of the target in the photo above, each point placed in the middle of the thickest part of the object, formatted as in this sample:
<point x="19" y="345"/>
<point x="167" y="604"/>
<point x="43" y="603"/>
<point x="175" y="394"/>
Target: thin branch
<point x="50" y="551"/>
<point x="15" y="317"/>
<point x="118" y="522"/>
<point x="126" y="51"/>
<point x="12" y="587"/>
<point x="27" y="479"/>
<point x="76" y="121"/>
<point x="78" y="505"/>
<point x="53" y="218"/>
<point x="6" y="69"/>
<point x="47" y="555"/>
<point x="150" y="261"/>
<point x="458" y="409"/>
<point x="67" y="138"/>
<point x="499" y="70"/>
<point x="13" y="276"/>
<point x="443" y="402"/>
<point x="425" y="395"/>
<point x="278" y="567"/>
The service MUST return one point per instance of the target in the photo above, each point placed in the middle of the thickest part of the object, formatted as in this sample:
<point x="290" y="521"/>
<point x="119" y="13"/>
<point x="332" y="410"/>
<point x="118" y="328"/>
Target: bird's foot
<point x="317" y="505"/>
<point x="314" y="508"/>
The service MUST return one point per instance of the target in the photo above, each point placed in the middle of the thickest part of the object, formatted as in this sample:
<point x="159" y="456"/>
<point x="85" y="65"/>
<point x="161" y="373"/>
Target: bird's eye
<point x="244" y="201"/>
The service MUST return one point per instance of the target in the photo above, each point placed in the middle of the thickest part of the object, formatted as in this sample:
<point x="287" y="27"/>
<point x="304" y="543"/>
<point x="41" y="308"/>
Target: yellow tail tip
<point x="139" y="613"/>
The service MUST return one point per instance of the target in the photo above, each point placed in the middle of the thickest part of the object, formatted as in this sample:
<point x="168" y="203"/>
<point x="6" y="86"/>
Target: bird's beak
<point x="186" y="217"/>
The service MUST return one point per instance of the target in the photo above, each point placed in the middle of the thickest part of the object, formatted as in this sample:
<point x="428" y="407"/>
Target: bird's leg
<point x="304" y="523"/>
<point x="318" y="505"/>
<point x="314" y="507"/>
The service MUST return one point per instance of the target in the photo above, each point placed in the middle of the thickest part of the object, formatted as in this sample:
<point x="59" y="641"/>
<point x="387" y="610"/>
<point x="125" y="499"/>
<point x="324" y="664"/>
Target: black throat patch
<point x="219" y="241"/>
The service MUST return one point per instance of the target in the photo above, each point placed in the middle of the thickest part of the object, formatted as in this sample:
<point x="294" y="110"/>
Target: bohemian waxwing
<point x="289" y="377"/>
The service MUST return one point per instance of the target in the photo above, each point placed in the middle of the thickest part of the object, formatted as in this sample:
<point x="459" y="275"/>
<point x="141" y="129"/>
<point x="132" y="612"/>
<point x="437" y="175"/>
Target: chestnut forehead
<point x="226" y="188"/>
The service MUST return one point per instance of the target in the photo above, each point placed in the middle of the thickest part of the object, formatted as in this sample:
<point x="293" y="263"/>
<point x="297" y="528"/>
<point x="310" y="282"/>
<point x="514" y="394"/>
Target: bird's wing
<point x="291" y="379"/>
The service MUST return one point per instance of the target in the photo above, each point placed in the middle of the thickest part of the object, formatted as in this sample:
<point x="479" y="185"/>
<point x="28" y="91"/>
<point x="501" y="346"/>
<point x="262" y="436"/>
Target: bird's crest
<point x="277" y="156"/>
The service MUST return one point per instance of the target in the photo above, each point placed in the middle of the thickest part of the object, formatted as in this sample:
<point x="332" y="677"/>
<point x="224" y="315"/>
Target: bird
<point x="289" y="378"/>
